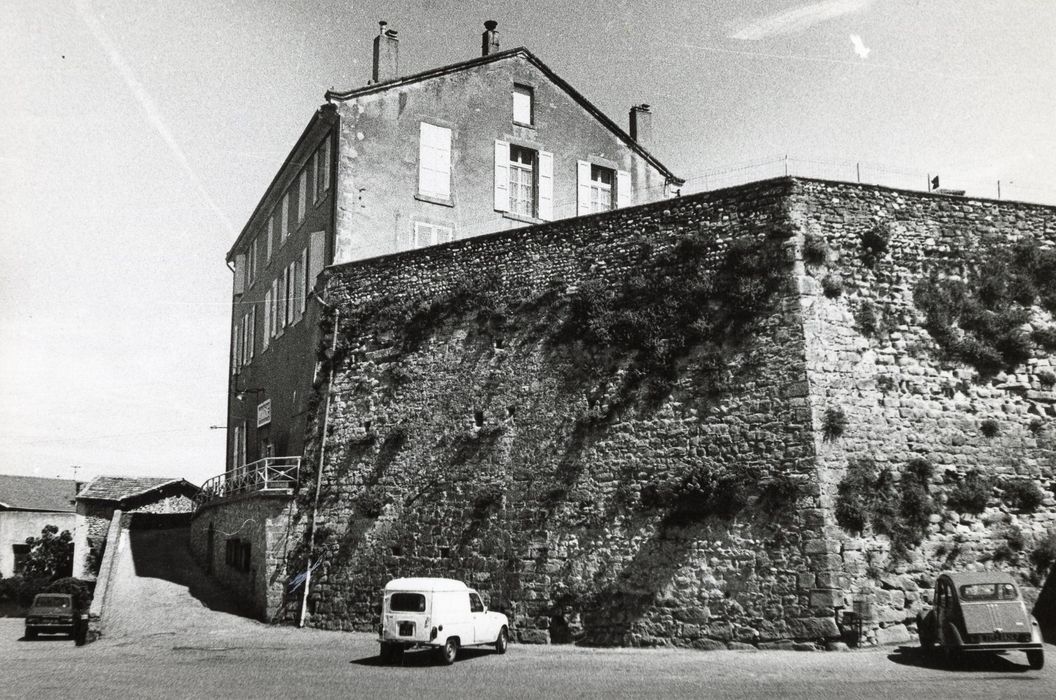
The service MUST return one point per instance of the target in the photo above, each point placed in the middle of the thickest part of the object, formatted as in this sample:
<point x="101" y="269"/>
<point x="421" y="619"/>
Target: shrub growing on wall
<point x="875" y="241"/>
<point x="815" y="249"/>
<point x="979" y="320"/>
<point x="1022" y="495"/>
<point x="972" y="493"/>
<point x="898" y="508"/>
<point x="834" y="423"/>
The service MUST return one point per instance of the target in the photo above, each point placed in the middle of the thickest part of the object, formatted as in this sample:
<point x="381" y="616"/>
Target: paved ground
<point x="172" y="644"/>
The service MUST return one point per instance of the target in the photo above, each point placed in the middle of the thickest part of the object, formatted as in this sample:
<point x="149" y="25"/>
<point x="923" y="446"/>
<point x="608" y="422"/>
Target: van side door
<point x="480" y="621"/>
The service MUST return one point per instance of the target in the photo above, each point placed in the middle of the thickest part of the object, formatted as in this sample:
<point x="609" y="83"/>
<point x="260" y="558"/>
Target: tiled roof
<point x="36" y="493"/>
<point x="118" y="488"/>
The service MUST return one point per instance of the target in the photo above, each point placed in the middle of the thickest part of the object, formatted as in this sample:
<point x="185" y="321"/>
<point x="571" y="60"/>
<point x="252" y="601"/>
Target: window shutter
<point x="326" y="164"/>
<point x="302" y="282"/>
<point x="582" y="187"/>
<point x="235" y="335"/>
<point x="266" y="335"/>
<point x="274" y="307"/>
<point x="252" y="338"/>
<point x="284" y="223"/>
<point x="238" y="344"/>
<point x="315" y="257"/>
<point x="546" y="186"/>
<point x="240" y="273"/>
<point x="302" y="195"/>
<point x="434" y="161"/>
<point x="271" y="234"/>
<point x="623" y="189"/>
<point x="502" y="176"/>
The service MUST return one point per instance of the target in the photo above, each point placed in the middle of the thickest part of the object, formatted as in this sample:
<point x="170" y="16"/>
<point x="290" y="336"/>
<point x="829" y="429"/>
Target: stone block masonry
<point x="904" y="396"/>
<point x="488" y="435"/>
<point x="632" y="428"/>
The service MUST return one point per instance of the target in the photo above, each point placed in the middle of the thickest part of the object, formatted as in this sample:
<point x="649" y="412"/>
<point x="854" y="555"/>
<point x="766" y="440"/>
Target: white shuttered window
<point x="502" y="176"/>
<point x="434" y="161"/>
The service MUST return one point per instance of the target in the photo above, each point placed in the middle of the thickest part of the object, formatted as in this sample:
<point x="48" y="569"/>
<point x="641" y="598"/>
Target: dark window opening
<point x="474" y="603"/>
<point x="397" y="550"/>
<point x="478" y="418"/>
<point x="445" y="552"/>
<point x="407" y="602"/>
<point x="21" y="552"/>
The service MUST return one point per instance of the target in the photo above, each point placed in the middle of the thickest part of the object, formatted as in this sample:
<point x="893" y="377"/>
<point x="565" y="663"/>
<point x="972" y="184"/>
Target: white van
<point x="440" y="613"/>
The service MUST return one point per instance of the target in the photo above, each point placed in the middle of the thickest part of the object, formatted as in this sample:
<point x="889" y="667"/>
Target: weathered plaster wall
<point x="265" y="521"/>
<point x="903" y="399"/>
<point x="16" y="526"/>
<point x="377" y="165"/>
<point x="510" y="461"/>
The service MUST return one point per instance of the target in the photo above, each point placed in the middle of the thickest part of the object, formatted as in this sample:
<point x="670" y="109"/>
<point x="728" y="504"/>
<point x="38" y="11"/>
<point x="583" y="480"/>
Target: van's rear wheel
<point x="390" y="653"/>
<point x="448" y="652"/>
<point x="1036" y="659"/>
<point x="502" y="642"/>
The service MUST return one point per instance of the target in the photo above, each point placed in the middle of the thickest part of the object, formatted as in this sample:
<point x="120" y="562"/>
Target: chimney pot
<point x="489" y="41"/>
<point x="641" y="119"/>
<point x="386" y="54"/>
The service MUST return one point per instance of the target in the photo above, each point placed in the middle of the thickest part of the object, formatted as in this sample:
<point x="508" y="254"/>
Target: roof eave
<point x="251" y="222"/>
<point x="554" y="77"/>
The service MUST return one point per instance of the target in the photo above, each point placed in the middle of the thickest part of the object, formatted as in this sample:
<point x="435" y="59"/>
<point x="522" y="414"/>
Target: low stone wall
<point x="261" y="521"/>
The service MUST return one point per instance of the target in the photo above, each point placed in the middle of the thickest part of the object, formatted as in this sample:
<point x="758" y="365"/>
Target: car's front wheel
<point x="448" y="652"/>
<point x="503" y="641"/>
<point x="1036" y="659"/>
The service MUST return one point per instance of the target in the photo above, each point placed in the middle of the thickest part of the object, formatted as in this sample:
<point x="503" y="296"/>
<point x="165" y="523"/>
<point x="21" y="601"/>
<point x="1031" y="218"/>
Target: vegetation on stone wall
<point x="898" y="506"/>
<point x="875" y="241"/>
<point x="971" y="494"/>
<point x="1022" y="495"/>
<point x="982" y="320"/>
<point x="867" y="319"/>
<point x="833" y="423"/>
<point x="815" y="249"/>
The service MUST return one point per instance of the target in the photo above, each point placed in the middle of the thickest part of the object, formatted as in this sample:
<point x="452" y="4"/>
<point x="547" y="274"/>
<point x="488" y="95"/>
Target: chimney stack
<point x="386" y="54"/>
<point x="642" y="124"/>
<point x="489" y="41"/>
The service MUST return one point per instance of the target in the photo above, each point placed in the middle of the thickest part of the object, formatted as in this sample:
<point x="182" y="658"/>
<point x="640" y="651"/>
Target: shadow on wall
<point x="1045" y="608"/>
<point x="164" y="553"/>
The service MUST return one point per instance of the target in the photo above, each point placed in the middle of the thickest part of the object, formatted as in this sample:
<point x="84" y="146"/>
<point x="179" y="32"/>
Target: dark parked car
<point x="51" y="613"/>
<point x="979" y="612"/>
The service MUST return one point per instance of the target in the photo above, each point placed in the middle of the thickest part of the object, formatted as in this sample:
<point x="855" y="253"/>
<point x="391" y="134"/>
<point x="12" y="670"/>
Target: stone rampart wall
<point x="904" y="397"/>
<point x="467" y="439"/>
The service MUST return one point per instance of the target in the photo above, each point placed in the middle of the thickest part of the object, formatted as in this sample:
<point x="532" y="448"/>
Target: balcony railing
<point x="268" y="474"/>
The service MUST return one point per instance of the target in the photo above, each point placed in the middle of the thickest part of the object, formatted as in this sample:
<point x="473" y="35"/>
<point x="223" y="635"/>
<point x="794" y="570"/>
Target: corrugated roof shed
<point x="118" y="488"/>
<point x="37" y="493"/>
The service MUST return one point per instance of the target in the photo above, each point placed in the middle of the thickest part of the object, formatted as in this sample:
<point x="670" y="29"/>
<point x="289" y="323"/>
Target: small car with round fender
<point x="440" y="613"/>
<point x="979" y="611"/>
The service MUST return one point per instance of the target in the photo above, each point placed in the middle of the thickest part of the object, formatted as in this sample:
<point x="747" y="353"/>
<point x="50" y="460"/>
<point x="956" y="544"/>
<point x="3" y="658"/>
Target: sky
<point x="136" y="137"/>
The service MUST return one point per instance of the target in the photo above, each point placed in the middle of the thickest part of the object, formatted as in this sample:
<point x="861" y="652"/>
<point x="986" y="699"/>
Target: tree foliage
<point x="50" y="555"/>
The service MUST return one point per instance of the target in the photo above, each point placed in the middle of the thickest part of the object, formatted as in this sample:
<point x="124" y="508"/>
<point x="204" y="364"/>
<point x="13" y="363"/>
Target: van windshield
<point x="407" y="602"/>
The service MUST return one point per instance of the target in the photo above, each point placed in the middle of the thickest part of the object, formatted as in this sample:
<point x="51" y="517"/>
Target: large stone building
<point x="732" y="418"/>
<point x="408" y="161"/>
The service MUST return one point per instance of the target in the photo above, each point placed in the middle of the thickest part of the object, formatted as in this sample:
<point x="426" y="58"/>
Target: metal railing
<point x="268" y="474"/>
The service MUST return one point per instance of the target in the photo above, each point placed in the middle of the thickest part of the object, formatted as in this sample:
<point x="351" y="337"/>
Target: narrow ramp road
<point x="158" y="589"/>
